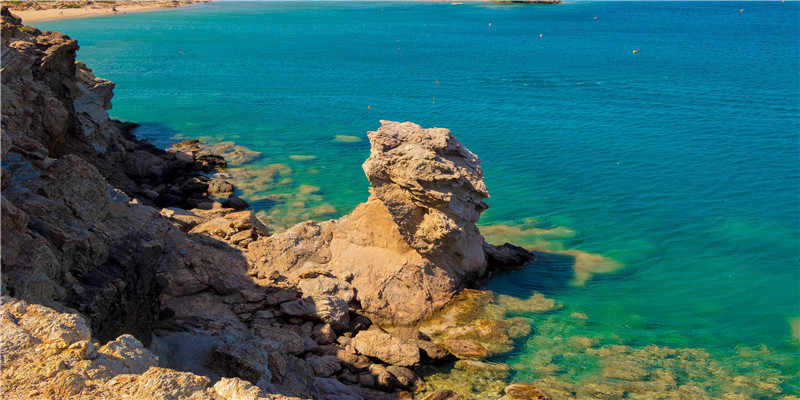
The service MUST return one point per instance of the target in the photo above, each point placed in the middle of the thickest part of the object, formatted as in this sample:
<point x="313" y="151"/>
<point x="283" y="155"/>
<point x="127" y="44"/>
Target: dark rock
<point x="141" y="164"/>
<point x="507" y="256"/>
<point x="194" y="185"/>
<point x="353" y="362"/>
<point x="360" y="323"/>
<point x="326" y="309"/>
<point x="168" y="200"/>
<point x="323" y="334"/>
<point x="427" y="348"/>
<point x="333" y="389"/>
<point x="245" y="361"/>
<point x="347" y="377"/>
<point x="235" y="203"/>
<point x="324" y="366"/>
<point x="220" y="187"/>
<point x="406" y="377"/>
<point x="210" y="162"/>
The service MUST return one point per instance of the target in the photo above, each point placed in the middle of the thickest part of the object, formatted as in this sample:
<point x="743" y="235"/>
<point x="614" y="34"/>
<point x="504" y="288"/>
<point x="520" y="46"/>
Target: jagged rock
<point x="385" y="347"/>
<point x="405" y="376"/>
<point x="432" y="187"/>
<point x="330" y="310"/>
<point x="320" y="285"/>
<point x="323" y="334"/>
<point x="333" y="311"/>
<point x="243" y="360"/>
<point x="412" y="245"/>
<point x="507" y="256"/>
<point x="210" y="162"/>
<point x="290" y="342"/>
<point x="524" y="391"/>
<point x="219" y="187"/>
<point x="142" y="164"/>
<point x="237" y="389"/>
<point x="353" y="362"/>
<point x="194" y="185"/>
<point x="53" y="353"/>
<point x="300" y="307"/>
<point x="427" y="348"/>
<point x="324" y="366"/>
<point x="124" y="355"/>
<point x="235" y="203"/>
<point x="159" y="383"/>
<point x="331" y="389"/>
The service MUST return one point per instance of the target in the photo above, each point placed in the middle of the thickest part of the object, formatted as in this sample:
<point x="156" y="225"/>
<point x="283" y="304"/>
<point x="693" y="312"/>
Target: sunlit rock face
<point x="412" y="244"/>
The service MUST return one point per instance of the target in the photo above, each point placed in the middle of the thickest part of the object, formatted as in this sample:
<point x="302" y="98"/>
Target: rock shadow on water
<point x="548" y="273"/>
<point x="160" y="135"/>
<point x="263" y="204"/>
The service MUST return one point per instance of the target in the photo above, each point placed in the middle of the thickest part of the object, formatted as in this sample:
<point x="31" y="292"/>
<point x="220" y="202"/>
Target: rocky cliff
<point x="133" y="272"/>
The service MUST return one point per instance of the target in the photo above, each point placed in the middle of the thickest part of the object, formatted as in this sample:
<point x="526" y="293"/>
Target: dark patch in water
<point x="262" y="204"/>
<point x="549" y="274"/>
<point x="160" y="135"/>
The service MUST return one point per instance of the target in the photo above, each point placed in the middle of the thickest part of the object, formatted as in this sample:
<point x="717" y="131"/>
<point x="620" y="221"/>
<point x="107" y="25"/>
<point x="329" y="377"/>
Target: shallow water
<point x="669" y="176"/>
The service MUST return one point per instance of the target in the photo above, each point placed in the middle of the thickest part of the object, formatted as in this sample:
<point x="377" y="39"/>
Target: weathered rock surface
<point x="413" y="244"/>
<point x="385" y="347"/>
<point x="47" y="354"/>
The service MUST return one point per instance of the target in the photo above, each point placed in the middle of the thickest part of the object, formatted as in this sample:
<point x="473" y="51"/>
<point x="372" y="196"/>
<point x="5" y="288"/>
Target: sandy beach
<point x="95" y="9"/>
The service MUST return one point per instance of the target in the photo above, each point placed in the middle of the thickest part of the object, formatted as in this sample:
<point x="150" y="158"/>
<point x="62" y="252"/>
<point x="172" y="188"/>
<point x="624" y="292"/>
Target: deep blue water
<point x="679" y="161"/>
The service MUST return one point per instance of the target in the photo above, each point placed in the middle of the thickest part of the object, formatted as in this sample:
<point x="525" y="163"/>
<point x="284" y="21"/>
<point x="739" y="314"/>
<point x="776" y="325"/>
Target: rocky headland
<point x="133" y="272"/>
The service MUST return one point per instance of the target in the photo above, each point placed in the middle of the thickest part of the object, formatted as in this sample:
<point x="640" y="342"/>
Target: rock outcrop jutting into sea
<point x="133" y="272"/>
<point x="411" y="246"/>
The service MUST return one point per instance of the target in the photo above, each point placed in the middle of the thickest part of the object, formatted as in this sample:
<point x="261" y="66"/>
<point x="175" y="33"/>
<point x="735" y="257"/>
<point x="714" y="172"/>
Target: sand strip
<point x="29" y="16"/>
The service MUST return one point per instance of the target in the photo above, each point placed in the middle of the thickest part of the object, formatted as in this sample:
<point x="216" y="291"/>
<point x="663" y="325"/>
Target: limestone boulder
<point x="411" y="246"/>
<point x="433" y="188"/>
<point x="160" y="383"/>
<point x="385" y="347"/>
<point x="327" y="309"/>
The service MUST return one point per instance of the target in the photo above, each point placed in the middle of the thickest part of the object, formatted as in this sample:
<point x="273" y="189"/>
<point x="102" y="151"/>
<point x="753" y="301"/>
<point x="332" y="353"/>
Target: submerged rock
<point x="524" y="391"/>
<point x="466" y="348"/>
<point x="444" y="395"/>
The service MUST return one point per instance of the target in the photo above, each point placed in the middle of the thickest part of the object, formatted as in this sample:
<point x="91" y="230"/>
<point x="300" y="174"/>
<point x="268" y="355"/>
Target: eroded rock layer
<point x="412" y="245"/>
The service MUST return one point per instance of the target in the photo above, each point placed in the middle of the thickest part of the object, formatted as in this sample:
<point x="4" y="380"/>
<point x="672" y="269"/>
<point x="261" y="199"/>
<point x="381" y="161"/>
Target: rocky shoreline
<point x="134" y="272"/>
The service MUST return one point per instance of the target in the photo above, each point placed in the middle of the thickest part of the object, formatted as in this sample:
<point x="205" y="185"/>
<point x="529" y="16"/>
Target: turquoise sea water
<point x="678" y="163"/>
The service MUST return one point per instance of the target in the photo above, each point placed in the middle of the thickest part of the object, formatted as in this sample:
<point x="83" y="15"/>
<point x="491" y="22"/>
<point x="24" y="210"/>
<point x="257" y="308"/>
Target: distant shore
<point x="31" y="11"/>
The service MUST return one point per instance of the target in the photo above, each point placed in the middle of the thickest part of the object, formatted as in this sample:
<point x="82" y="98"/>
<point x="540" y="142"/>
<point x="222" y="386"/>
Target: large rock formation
<point x="411" y="246"/>
<point x="107" y="239"/>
